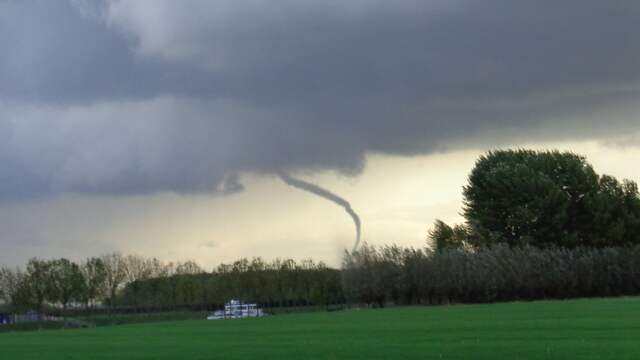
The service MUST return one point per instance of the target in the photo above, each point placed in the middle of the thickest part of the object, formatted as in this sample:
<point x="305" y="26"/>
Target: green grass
<point x="581" y="329"/>
<point x="141" y="318"/>
<point x="45" y="325"/>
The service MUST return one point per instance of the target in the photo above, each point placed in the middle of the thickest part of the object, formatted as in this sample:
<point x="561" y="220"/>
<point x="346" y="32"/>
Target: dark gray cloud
<point x="55" y="53"/>
<point x="127" y="97"/>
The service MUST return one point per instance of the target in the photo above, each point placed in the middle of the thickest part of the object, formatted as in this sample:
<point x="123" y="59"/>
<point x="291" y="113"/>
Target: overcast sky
<point x="158" y="126"/>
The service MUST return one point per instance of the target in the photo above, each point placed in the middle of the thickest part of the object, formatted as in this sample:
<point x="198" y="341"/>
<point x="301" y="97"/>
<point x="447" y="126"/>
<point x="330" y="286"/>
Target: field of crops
<point x="582" y="329"/>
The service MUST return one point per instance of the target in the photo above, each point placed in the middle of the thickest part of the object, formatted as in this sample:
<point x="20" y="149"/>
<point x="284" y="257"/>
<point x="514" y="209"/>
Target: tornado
<point x="317" y="190"/>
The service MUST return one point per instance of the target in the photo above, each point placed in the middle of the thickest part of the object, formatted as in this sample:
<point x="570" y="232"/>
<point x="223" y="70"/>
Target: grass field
<point x="582" y="329"/>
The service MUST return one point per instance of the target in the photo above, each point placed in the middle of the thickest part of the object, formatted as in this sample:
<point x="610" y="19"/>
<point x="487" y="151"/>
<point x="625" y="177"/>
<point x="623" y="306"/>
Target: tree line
<point x="391" y="274"/>
<point x="130" y="283"/>
<point x="94" y="281"/>
<point x="373" y="276"/>
<point x="280" y="283"/>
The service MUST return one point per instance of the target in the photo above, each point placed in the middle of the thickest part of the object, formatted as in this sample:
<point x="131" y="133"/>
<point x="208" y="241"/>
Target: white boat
<point x="236" y="309"/>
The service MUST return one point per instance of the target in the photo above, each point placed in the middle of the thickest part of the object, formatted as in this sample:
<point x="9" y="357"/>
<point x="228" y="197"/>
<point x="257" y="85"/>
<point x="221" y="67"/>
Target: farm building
<point x="236" y="309"/>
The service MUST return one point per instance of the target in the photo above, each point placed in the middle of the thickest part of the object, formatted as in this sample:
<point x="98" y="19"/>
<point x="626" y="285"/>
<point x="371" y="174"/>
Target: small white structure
<point x="235" y="309"/>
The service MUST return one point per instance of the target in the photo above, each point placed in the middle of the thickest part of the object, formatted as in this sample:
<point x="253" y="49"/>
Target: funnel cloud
<point x="324" y="193"/>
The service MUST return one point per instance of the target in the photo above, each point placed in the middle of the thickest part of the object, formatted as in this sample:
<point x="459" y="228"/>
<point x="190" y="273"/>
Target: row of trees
<point x="134" y="282"/>
<point x="370" y="275"/>
<point x="272" y="284"/>
<point x="393" y="274"/>
<point x="97" y="280"/>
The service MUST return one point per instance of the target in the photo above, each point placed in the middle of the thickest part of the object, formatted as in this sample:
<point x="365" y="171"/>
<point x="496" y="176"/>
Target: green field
<point x="581" y="329"/>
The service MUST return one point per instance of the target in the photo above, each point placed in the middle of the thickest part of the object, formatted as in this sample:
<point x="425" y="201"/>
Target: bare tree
<point x="136" y="269"/>
<point x="159" y="269"/>
<point x="115" y="274"/>
<point x="188" y="267"/>
<point x="188" y="280"/>
<point x="95" y="280"/>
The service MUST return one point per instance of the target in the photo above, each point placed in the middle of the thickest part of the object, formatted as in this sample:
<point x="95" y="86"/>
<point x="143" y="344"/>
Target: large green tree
<point x="548" y="198"/>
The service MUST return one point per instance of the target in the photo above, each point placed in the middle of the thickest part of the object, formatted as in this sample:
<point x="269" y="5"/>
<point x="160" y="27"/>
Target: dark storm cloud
<point x="133" y="97"/>
<point x="51" y="52"/>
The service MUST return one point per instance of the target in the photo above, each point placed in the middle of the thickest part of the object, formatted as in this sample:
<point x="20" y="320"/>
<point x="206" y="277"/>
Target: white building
<point x="235" y="309"/>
